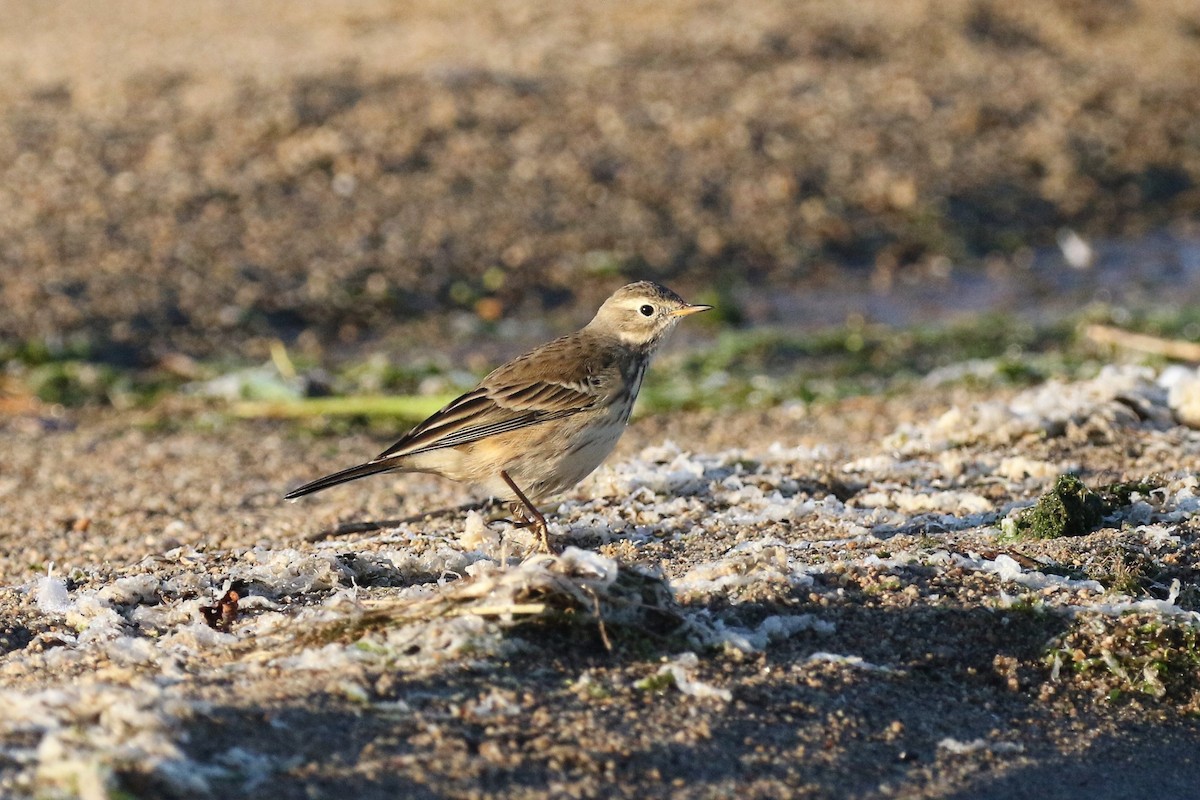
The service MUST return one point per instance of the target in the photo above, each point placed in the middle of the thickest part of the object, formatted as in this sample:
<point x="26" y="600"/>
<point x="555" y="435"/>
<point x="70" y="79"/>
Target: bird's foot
<point x="523" y="519"/>
<point x="543" y="534"/>
<point x="527" y="511"/>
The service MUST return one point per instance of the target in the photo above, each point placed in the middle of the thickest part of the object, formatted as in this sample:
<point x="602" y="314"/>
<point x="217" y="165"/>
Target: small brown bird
<point x="544" y="421"/>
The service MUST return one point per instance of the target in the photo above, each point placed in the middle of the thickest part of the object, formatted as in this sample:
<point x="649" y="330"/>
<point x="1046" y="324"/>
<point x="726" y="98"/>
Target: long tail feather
<point x="351" y="474"/>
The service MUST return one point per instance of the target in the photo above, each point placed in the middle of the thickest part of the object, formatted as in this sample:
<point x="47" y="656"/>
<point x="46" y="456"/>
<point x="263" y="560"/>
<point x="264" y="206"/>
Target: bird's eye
<point x="647" y="310"/>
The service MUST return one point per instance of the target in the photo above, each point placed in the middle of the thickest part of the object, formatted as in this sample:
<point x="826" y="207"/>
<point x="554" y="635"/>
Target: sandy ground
<point x="848" y="618"/>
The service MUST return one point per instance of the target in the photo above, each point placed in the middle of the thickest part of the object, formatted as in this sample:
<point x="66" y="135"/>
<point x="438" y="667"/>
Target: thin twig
<point x="599" y="618"/>
<point x="497" y="611"/>
<point x="1144" y="343"/>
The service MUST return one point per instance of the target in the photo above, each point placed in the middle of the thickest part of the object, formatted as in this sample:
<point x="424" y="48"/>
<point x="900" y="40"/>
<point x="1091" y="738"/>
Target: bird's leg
<point x="530" y="512"/>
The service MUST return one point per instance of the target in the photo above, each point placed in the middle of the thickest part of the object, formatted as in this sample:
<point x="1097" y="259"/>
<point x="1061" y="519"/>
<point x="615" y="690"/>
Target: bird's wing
<point x="495" y="407"/>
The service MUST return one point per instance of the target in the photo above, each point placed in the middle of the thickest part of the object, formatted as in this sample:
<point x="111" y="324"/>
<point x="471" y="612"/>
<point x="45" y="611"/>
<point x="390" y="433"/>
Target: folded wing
<point x="491" y="410"/>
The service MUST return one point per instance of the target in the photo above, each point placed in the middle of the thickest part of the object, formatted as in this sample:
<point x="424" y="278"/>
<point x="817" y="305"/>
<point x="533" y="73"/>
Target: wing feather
<point x="488" y="411"/>
<point x="517" y="395"/>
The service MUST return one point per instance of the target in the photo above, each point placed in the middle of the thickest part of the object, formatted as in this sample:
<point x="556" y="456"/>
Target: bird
<point x="542" y="422"/>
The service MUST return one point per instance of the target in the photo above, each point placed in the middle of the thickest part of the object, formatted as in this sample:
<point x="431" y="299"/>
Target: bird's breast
<point x="632" y="384"/>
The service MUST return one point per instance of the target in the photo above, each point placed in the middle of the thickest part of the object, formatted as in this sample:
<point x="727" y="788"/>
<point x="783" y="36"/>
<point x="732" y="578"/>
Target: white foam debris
<point x="774" y="628"/>
<point x="1138" y="512"/>
<point x="431" y="641"/>
<point x="909" y="502"/>
<point x="130" y="590"/>
<point x="898" y="560"/>
<point x="252" y="383"/>
<point x="858" y="662"/>
<point x="193" y="637"/>
<point x="960" y="748"/>
<point x="1148" y="605"/>
<point x="954" y="463"/>
<point x="1048" y="408"/>
<point x="1006" y="568"/>
<point x="256" y="602"/>
<point x="89" y="614"/>
<point x="1173" y="592"/>
<point x="750" y="505"/>
<point x="165" y="615"/>
<point x="1159" y="535"/>
<point x="751" y="563"/>
<point x="352" y="690"/>
<point x="431" y="623"/>
<point x="1175" y="374"/>
<point x="661" y="453"/>
<point x="187" y="582"/>
<point x="979" y="368"/>
<point x="588" y="560"/>
<point x="680" y="667"/>
<point x="391" y="564"/>
<point x="80" y="735"/>
<point x="663" y="469"/>
<point x="1183" y="393"/>
<point x="880" y="463"/>
<point x="331" y="657"/>
<point x="1018" y="468"/>
<point x="51" y="595"/>
<point x="477" y="536"/>
<point x="778" y="453"/>
<point x="291" y="572"/>
<point x="667" y="491"/>
<point x="780" y="626"/>
<point x="1056" y="402"/>
<point x="1076" y="250"/>
<point x="132" y="650"/>
<point x="254" y="769"/>
<point x="495" y="703"/>
<point x="1180" y="499"/>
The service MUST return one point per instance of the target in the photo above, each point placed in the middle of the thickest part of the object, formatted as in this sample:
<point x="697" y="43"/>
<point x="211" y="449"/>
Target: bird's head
<point x="641" y="313"/>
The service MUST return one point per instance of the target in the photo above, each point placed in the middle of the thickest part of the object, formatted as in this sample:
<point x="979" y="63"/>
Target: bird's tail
<point x="351" y="474"/>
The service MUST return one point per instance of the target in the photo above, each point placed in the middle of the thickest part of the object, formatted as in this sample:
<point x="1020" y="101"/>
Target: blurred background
<point x="275" y="201"/>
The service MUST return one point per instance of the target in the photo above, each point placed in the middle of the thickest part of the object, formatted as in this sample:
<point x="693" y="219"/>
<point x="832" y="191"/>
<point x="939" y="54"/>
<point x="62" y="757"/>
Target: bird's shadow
<point x="372" y="526"/>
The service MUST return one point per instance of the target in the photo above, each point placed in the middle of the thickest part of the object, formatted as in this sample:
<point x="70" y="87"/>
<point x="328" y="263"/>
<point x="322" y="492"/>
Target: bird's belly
<point x="581" y="457"/>
<point x="544" y="462"/>
<point x="542" y="459"/>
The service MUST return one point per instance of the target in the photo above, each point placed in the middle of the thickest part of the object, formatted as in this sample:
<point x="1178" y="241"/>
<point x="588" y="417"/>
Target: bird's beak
<point x="686" y="310"/>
